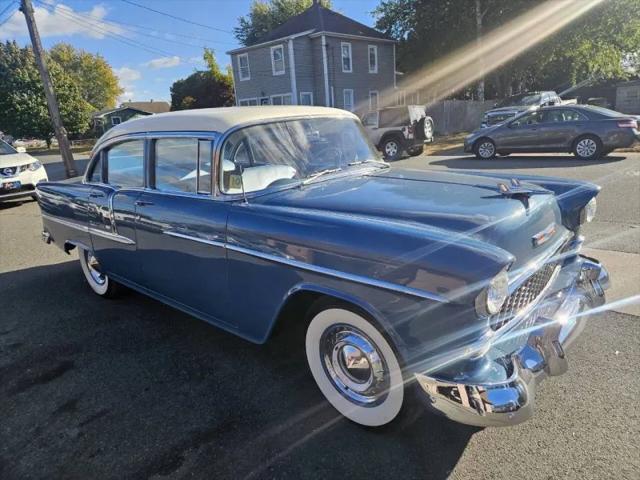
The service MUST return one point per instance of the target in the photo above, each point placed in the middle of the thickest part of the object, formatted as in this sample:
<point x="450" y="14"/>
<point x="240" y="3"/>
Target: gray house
<point x="318" y="57"/>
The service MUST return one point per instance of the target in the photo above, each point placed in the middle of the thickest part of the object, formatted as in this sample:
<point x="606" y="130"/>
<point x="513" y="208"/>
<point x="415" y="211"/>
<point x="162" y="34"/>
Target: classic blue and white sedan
<point x="467" y="288"/>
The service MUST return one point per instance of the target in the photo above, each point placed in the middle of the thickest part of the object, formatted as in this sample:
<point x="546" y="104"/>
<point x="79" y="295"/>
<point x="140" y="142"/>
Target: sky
<point x="148" y="51"/>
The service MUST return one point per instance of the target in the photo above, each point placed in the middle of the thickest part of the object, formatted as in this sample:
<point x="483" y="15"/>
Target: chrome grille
<point x="524" y="295"/>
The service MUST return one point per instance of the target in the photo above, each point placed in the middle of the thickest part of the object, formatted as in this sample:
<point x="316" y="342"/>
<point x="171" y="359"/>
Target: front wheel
<point x="485" y="149"/>
<point x="354" y="366"/>
<point x="588" y="148"/>
<point x="99" y="282"/>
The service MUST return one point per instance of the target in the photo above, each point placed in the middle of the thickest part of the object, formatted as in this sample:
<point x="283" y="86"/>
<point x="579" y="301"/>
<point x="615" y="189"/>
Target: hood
<point x="465" y="205"/>
<point x="15" y="159"/>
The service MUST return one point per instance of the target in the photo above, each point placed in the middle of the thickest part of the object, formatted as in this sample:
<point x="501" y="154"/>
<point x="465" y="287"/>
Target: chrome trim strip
<point x="94" y="231"/>
<point x="342" y="275"/>
<point x="215" y="243"/>
<point x="67" y="223"/>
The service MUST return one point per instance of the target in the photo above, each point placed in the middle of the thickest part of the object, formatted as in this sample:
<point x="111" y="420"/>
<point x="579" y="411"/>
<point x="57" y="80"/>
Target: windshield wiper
<point x="360" y="162"/>
<point x="319" y="174"/>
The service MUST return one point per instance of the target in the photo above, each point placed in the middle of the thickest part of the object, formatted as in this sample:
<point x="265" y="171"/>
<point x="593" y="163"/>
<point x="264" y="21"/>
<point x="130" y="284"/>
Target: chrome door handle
<point x="143" y="203"/>
<point x="96" y="195"/>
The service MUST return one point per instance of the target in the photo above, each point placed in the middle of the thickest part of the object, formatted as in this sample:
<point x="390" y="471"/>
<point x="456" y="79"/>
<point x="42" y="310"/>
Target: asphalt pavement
<point x="130" y="388"/>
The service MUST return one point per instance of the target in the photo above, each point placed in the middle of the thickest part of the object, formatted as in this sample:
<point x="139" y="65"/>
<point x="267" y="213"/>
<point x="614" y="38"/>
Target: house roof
<point x="151" y="107"/>
<point x="107" y="111"/>
<point x="316" y="19"/>
<point x="217" y="119"/>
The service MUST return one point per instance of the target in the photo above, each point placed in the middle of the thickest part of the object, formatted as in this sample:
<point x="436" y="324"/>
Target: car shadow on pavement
<point x="523" y="161"/>
<point x="90" y="387"/>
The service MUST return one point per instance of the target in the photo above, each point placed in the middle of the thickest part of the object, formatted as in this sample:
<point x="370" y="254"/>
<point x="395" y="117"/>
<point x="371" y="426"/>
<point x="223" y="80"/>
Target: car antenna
<point x="244" y="194"/>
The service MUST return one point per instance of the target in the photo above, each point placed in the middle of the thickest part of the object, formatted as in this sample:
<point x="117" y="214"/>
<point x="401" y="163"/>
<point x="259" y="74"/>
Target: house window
<point x="347" y="66"/>
<point x="116" y="120"/>
<point x="400" y="100"/>
<point x="306" y="98"/>
<point x="373" y="59"/>
<point x="265" y="101"/>
<point x="284" y="99"/>
<point x="373" y="100"/>
<point x="247" y="102"/>
<point x="243" y="66"/>
<point x="347" y="97"/>
<point x="277" y="60"/>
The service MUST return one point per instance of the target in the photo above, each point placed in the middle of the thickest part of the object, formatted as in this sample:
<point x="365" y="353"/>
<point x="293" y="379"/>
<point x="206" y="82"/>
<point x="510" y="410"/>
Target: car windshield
<point x="292" y="152"/>
<point x="522" y="99"/>
<point x="6" y="149"/>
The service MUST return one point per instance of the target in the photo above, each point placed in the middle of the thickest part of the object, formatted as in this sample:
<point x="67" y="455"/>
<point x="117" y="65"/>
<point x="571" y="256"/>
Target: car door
<point x="520" y="134"/>
<point x="116" y="178"/>
<point x="556" y="129"/>
<point x="181" y="229"/>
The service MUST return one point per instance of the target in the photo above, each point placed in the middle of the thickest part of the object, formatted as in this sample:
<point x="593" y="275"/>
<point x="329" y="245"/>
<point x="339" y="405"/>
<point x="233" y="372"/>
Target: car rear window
<point x="394" y="117"/>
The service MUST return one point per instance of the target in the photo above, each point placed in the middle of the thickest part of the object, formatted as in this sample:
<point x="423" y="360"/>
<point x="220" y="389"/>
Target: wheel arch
<point x="395" y="134"/>
<point x="484" y="137"/>
<point x="586" y="134"/>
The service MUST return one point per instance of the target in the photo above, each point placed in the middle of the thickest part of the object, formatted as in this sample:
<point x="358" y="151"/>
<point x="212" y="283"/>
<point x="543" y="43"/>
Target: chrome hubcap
<point x="354" y="365"/>
<point x="94" y="270"/>
<point x="486" y="149"/>
<point x="391" y="148"/>
<point x="427" y="129"/>
<point x="586" y="147"/>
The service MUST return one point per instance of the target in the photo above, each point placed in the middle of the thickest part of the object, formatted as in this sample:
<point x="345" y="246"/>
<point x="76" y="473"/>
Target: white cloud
<point x="127" y="75"/>
<point x="163" y="62"/>
<point x="61" y="20"/>
<point x="126" y="96"/>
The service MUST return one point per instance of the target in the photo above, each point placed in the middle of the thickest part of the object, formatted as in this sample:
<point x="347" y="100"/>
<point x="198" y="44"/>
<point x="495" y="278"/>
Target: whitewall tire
<point x="98" y="281"/>
<point x="354" y="366"/>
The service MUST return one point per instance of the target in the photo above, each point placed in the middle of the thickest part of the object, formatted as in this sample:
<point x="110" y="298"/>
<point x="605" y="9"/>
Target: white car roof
<point x="216" y="119"/>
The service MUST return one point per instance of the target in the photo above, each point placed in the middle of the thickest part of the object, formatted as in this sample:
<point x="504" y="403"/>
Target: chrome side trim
<point x="67" y="223"/>
<point x="338" y="274"/>
<point x="94" y="231"/>
<point x="214" y="243"/>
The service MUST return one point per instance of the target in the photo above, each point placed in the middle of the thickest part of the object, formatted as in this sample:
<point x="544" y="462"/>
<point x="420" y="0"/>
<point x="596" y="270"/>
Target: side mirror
<point x="21" y="150"/>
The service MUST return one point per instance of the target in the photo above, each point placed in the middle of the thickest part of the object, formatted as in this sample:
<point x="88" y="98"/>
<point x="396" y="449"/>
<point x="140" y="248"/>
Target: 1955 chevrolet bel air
<point x="464" y="287"/>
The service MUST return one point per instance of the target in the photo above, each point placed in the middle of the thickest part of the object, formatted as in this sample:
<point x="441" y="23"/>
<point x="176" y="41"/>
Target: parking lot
<point x="130" y="388"/>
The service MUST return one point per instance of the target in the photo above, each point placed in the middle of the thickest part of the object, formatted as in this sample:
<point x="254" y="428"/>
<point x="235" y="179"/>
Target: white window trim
<point x="248" y="77"/>
<point x="401" y="98"/>
<point x="353" y="99"/>
<point x="377" y="100"/>
<point x="247" y="100"/>
<point x="310" y="96"/>
<point x="375" y="49"/>
<point x="119" y="120"/>
<point x="273" y="64"/>
<point x="282" y="95"/>
<point x="342" y="44"/>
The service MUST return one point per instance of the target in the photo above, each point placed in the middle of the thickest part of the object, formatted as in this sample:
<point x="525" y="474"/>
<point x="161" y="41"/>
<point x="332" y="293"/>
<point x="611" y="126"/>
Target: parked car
<point x="466" y="288"/>
<point x="516" y="104"/>
<point x="396" y="129"/>
<point x="587" y="131"/>
<point x="19" y="172"/>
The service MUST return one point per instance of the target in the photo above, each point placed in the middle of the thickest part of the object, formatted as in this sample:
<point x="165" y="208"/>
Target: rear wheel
<point x="588" y="147"/>
<point x="485" y="149"/>
<point x="99" y="282"/>
<point x="415" y="151"/>
<point x="354" y="366"/>
<point x="391" y="148"/>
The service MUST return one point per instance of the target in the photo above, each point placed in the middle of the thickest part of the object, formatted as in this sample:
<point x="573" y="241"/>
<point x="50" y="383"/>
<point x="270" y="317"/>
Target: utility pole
<point x="479" y="17"/>
<point x="52" y="102"/>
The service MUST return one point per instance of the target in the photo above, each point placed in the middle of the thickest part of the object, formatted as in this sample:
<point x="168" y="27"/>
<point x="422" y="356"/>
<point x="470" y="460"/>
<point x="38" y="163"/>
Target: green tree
<point x="22" y="100"/>
<point x="95" y="77"/>
<point x="203" y="88"/>
<point x="594" y="46"/>
<point x="265" y="15"/>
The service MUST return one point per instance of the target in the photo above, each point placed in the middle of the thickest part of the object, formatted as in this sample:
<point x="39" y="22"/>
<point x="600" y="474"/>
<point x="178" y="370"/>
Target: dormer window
<point x="347" y="65"/>
<point x="277" y="60"/>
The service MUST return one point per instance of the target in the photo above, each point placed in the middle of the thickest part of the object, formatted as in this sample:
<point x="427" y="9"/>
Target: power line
<point x="82" y="22"/>
<point x="6" y="9"/>
<point x="175" y="17"/>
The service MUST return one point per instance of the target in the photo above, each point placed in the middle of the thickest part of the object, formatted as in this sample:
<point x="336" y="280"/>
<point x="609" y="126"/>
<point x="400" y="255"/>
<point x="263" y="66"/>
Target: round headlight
<point x="589" y="211"/>
<point x="35" y="165"/>
<point x="497" y="292"/>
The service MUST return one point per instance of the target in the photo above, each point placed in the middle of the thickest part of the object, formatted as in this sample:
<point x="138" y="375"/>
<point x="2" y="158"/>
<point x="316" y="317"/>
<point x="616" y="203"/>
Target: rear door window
<point x="183" y="165"/>
<point x="125" y="164"/>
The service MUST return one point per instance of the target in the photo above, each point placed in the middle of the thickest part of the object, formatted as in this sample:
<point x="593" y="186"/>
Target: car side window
<point x="553" y="116"/>
<point x="573" y="116"/>
<point x="183" y="165"/>
<point x="95" y="175"/>
<point x="532" y="118"/>
<point x="369" y="119"/>
<point x="125" y="164"/>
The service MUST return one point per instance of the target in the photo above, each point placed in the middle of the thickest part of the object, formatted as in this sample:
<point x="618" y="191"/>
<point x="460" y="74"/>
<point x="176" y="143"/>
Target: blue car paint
<point x="441" y="234"/>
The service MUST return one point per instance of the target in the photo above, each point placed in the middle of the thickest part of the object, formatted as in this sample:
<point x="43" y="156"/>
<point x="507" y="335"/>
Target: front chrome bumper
<point x="559" y="319"/>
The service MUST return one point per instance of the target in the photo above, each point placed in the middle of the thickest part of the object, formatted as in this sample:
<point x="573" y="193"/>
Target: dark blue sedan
<point x="467" y="288"/>
<point x="587" y="131"/>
